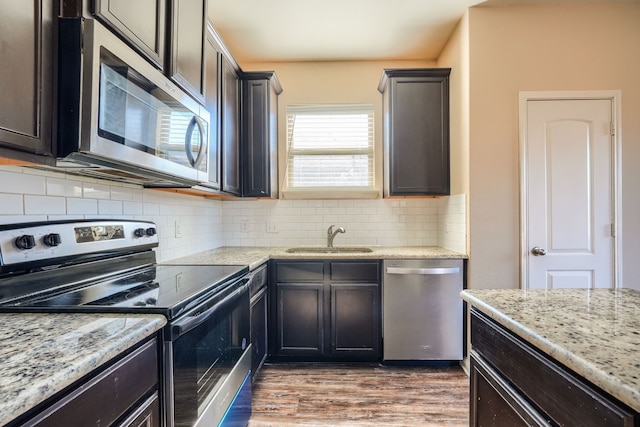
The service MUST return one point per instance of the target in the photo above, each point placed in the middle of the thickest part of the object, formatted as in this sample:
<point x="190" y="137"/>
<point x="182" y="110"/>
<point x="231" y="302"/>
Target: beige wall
<point x="331" y="82"/>
<point x="456" y="56"/>
<point x="542" y="48"/>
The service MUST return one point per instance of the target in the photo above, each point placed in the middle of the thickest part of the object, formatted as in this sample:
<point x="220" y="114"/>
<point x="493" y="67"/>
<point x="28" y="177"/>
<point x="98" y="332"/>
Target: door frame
<point x="616" y="155"/>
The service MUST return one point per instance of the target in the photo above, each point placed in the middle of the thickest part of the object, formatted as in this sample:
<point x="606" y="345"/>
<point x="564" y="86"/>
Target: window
<point x="330" y="148"/>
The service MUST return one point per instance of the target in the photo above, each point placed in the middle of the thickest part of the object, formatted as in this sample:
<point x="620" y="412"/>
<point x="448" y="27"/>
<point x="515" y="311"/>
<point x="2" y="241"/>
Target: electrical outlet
<point x="244" y="225"/>
<point x="178" y="229"/>
<point x="272" y="227"/>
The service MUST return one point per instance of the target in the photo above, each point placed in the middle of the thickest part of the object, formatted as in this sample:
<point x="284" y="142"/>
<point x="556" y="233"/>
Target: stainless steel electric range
<point x="110" y="266"/>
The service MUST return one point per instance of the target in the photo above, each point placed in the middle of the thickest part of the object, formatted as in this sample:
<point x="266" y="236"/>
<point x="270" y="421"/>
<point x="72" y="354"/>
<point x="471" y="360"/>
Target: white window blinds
<point x="330" y="147"/>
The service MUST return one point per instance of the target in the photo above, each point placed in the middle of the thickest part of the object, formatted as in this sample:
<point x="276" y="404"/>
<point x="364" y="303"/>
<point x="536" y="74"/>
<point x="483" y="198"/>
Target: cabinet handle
<point x="423" y="271"/>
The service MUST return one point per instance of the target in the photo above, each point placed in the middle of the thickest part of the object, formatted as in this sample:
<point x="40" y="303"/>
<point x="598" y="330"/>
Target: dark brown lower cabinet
<point x="325" y="311"/>
<point x="354" y="320"/>
<point x="300" y="324"/>
<point x="123" y="394"/>
<point x="515" y="384"/>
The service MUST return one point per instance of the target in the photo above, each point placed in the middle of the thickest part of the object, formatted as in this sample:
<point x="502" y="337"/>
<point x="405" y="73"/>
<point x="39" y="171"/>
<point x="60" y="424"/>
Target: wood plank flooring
<point x="342" y="395"/>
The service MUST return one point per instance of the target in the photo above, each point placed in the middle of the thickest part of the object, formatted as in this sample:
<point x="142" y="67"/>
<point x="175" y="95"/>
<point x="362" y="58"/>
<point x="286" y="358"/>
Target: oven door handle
<point x="183" y="326"/>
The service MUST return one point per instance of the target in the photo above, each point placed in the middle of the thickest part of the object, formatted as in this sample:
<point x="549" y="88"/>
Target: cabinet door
<point x="212" y="101"/>
<point x="188" y="24"/>
<point x="230" y="129"/>
<point x="255" y="138"/>
<point x="259" y="149"/>
<point x="26" y="79"/>
<point x="147" y="415"/>
<point x="417" y="133"/>
<point x="258" y="332"/>
<point x="355" y="320"/>
<point x="299" y="319"/>
<point x="123" y="385"/>
<point x="495" y="403"/>
<point x="140" y="22"/>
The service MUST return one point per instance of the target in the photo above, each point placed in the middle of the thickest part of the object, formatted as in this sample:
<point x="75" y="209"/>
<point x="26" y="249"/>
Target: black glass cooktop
<point x="163" y="289"/>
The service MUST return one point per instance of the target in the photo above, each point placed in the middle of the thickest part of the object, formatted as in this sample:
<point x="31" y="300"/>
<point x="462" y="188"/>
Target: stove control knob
<point x="150" y="231"/>
<point x="25" y="242"/>
<point x="139" y="232"/>
<point x="52" y="239"/>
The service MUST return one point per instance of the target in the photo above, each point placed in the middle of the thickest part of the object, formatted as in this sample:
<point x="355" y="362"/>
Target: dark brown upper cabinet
<point x="259" y="147"/>
<point x="222" y="99"/>
<point x="416" y="131"/>
<point x="26" y="82"/>
<point x="187" y="57"/>
<point x="230" y="123"/>
<point x="169" y="33"/>
<point x="213" y="98"/>
<point x="142" y="23"/>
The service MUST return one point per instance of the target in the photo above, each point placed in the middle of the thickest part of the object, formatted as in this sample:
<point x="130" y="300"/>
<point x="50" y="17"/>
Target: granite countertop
<point x="43" y="353"/>
<point x="255" y="256"/>
<point x="596" y="332"/>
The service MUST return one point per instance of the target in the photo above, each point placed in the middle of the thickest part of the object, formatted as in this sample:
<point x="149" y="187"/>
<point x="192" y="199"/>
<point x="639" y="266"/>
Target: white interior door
<point x="569" y="220"/>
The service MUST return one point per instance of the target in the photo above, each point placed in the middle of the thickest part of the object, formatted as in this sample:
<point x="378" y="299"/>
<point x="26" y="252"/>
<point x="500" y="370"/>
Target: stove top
<point x="105" y="266"/>
<point x="163" y="289"/>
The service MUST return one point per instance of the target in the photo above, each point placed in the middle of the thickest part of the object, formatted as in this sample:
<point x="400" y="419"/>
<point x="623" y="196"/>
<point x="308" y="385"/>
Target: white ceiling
<point x="328" y="30"/>
<point x="307" y="30"/>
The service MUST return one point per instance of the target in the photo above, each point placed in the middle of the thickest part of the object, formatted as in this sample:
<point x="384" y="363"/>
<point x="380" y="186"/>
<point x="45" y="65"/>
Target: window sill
<point x="329" y="194"/>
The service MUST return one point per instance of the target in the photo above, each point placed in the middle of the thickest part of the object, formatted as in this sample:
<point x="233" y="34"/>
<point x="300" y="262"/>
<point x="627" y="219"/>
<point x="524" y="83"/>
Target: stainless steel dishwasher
<point x="422" y="310"/>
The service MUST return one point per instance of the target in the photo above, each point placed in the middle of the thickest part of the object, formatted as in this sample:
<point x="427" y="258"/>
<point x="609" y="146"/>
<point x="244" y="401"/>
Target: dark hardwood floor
<point x="341" y="395"/>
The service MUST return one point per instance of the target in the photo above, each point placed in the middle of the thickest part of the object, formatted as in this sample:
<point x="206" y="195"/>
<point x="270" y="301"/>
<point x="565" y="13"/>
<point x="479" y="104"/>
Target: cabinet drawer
<point x="564" y="397"/>
<point x="107" y="397"/>
<point x="355" y="271"/>
<point x="300" y="272"/>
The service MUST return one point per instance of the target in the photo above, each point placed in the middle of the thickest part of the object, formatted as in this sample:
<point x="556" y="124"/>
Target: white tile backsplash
<point x="35" y="195"/>
<point x="387" y="222"/>
<point x="44" y="205"/>
<point x="11" y="204"/>
<point x="13" y="181"/>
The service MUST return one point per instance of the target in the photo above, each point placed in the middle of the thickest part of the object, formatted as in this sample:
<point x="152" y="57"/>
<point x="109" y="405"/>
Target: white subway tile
<point x="16" y="219"/>
<point x="15" y="182"/>
<point x="122" y="193"/>
<point x="46" y="205"/>
<point x="109" y="207"/>
<point x="94" y="190"/>
<point x="63" y="187"/>
<point x="11" y="204"/>
<point x="82" y="206"/>
<point x="132" y="208"/>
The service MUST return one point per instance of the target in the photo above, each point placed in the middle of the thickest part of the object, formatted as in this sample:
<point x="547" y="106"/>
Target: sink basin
<point x="326" y="250"/>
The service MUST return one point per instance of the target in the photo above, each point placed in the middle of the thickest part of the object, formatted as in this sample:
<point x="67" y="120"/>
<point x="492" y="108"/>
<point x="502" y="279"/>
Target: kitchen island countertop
<point x="254" y="256"/>
<point x="594" y="332"/>
<point x="42" y="354"/>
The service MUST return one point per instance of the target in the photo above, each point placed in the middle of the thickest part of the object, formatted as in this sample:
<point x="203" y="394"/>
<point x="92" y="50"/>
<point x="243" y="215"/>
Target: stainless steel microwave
<point x="120" y="118"/>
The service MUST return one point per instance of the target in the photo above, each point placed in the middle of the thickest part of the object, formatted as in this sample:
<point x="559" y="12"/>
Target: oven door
<point x="210" y="357"/>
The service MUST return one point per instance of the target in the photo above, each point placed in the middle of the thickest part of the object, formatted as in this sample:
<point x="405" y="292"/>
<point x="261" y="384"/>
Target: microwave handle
<point x="195" y="121"/>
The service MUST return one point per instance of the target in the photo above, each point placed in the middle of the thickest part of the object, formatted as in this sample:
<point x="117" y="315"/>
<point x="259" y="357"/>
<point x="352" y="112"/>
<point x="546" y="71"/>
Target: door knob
<point x="538" y="251"/>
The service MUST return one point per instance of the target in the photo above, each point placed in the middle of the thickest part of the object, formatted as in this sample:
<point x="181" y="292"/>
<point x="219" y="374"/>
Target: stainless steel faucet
<point x="332" y="234"/>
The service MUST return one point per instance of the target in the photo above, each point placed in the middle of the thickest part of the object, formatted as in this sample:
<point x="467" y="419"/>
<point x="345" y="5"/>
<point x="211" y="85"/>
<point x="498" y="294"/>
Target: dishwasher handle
<point x="423" y="271"/>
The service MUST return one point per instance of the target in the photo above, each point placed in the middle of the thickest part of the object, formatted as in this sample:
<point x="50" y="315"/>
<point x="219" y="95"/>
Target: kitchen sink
<point x="327" y="250"/>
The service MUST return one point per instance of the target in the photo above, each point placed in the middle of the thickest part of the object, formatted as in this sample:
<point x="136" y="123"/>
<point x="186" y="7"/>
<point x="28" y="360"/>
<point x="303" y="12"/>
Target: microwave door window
<point x="127" y="113"/>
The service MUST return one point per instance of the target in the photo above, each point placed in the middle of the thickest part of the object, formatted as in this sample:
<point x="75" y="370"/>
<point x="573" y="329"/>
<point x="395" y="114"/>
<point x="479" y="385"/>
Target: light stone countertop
<point x="596" y="333"/>
<point x="255" y="256"/>
<point x="43" y="353"/>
